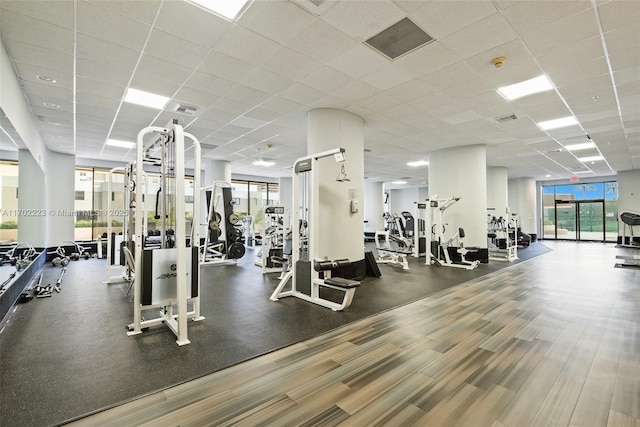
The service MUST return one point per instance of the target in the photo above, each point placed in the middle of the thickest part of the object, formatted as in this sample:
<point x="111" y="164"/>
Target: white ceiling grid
<point x="253" y="81"/>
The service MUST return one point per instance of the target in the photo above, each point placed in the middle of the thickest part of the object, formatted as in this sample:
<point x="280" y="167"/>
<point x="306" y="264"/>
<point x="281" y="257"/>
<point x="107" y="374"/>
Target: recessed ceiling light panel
<point x="120" y="144"/>
<point x="590" y="159"/>
<point x="583" y="146"/>
<point x="558" y="123"/>
<point x="527" y="87"/>
<point x="227" y="9"/>
<point x="265" y="163"/>
<point x="399" y="182"/>
<point x="418" y="163"/>
<point x="146" y="99"/>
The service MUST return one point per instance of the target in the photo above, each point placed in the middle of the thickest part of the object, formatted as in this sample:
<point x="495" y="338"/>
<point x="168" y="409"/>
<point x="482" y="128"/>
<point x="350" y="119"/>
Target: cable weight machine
<point x="167" y="275"/>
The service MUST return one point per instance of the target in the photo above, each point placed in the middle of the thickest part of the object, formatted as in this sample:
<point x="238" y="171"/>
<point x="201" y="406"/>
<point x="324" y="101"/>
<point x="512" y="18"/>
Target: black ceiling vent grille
<point x="399" y="39"/>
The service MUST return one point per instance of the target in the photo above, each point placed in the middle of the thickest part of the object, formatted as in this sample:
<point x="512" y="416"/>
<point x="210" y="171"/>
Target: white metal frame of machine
<point x="502" y="229"/>
<point x="306" y="201"/>
<point x="173" y="303"/>
<point x="273" y="237"/>
<point x="126" y="274"/>
<point x="438" y="206"/>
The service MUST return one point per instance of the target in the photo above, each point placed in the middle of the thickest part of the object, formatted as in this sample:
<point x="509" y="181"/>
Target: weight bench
<point x="338" y="283"/>
<point x="390" y="255"/>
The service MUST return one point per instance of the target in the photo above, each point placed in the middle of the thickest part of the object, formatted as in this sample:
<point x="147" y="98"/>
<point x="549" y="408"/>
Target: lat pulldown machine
<point x="166" y="275"/>
<point x="306" y="270"/>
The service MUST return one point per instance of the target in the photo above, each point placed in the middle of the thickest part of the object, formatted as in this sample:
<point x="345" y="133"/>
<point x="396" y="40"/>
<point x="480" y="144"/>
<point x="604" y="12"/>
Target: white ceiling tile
<point x="410" y="90"/>
<point x="38" y="56"/>
<point x="210" y="84"/>
<point x="37" y="33"/>
<point x="262" y="114"/>
<point x="103" y="24"/>
<point x="362" y="19"/>
<point x="195" y="98"/>
<point x="176" y="50"/>
<point x="426" y="59"/>
<point x="266" y="81"/>
<point x="266" y="18"/>
<point x="192" y="23"/>
<point x="290" y="64"/>
<point x="430" y="101"/>
<point x="30" y="73"/>
<point x="452" y="75"/>
<point x="108" y="105"/>
<point x="102" y="72"/>
<point x="526" y="16"/>
<point x="325" y="79"/>
<point x="354" y="91"/>
<point x="150" y="83"/>
<point x="481" y="36"/>
<point x="232" y="106"/>
<point x="143" y="11"/>
<point x="163" y="69"/>
<point x="301" y="94"/>
<point x="246" y="95"/>
<point x="563" y="32"/>
<point x="322" y="42"/>
<point x="246" y="45"/>
<point x="59" y="13"/>
<point x="623" y="42"/>
<point x="440" y="19"/>
<point x="479" y="101"/>
<point x="358" y="61"/>
<point x="281" y="105"/>
<point x="619" y="14"/>
<point x="103" y="52"/>
<point x="225" y="66"/>
<point x="387" y="77"/>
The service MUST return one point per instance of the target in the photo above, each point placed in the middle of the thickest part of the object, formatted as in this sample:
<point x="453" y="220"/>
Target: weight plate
<point x="234" y="234"/>
<point x="236" y="250"/>
<point x="234" y="218"/>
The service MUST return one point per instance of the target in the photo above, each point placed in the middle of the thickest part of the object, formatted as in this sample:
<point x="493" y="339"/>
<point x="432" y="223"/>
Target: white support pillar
<point x="497" y="191"/>
<point x="286" y="197"/>
<point x="462" y="172"/>
<point x="373" y="206"/>
<point x="31" y="199"/>
<point x="216" y="170"/>
<point x="342" y="230"/>
<point x="522" y="197"/>
<point x="60" y="196"/>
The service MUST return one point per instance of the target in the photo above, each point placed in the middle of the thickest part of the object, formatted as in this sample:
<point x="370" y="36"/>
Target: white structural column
<point x="32" y="204"/>
<point x="497" y="191"/>
<point x="462" y="172"/>
<point x="285" y="186"/>
<point x="216" y="170"/>
<point x="341" y="231"/>
<point x="60" y="196"/>
<point x="373" y="206"/>
<point x="522" y="197"/>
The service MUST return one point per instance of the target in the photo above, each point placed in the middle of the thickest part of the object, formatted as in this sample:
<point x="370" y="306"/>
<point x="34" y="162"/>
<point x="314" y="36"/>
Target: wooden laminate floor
<point x="554" y="341"/>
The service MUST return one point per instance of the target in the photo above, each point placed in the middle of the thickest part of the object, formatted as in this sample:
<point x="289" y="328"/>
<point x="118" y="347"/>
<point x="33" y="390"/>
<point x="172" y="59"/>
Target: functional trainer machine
<point x="167" y="275"/>
<point x="223" y="242"/>
<point x="502" y="235"/>
<point x="270" y="255"/>
<point x="438" y="248"/>
<point x="308" y="272"/>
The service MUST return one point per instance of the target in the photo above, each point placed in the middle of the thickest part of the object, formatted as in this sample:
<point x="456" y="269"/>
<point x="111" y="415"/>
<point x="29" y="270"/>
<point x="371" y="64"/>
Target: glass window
<point x="83" y="205"/>
<point x="549" y="212"/>
<point x="8" y="202"/>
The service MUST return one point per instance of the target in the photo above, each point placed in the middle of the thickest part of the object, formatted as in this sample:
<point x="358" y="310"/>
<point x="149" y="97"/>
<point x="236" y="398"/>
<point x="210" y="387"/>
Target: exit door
<point x="580" y="220"/>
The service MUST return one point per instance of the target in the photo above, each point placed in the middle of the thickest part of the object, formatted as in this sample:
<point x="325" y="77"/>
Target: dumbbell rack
<point x="223" y="240"/>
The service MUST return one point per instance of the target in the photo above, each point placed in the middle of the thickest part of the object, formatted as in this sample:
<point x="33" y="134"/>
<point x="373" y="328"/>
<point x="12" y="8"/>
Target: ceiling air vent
<point x="507" y="118"/>
<point x="317" y="7"/>
<point x="317" y="3"/>
<point x="399" y="39"/>
<point x="187" y="110"/>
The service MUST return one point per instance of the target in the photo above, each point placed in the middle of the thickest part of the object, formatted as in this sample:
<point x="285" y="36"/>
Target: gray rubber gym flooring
<point x="68" y="356"/>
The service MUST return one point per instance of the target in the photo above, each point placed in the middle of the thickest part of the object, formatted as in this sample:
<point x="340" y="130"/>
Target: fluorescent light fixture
<point x="527" y="87"/>
<point x="399" y="182"/>
<point x="547" y="175"/>
<point x="579" y="172"/>
<point x="265" y="163"/>
<point x="590" y="159"/>
<point x="418" y="163"/>
<point x="120" y="144"/>
<point x="583" y="146"/>
<point x="558" y="123"/>
<point x="146" y="99"/>
<point x="228" y="9"/>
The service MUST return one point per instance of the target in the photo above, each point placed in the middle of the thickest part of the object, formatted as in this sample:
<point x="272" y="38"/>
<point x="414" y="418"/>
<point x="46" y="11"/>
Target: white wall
<point x="403" y="199"/>
<point x="628" y="193"/>
<point x="523" y="201"/>
<point x="373" y="206"/>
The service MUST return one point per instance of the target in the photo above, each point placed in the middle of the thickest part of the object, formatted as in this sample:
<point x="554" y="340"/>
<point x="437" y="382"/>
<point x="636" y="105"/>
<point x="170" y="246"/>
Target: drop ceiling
<point x="248" y="85"/>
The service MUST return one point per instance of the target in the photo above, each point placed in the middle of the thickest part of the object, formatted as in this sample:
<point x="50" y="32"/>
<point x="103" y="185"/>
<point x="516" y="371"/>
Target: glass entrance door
<point x="578" y="220"/>
<point x="591" y="220"/>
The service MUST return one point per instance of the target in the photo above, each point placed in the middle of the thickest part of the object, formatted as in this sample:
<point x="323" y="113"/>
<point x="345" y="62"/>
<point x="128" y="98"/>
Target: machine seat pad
<point x="342" y="282"/>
